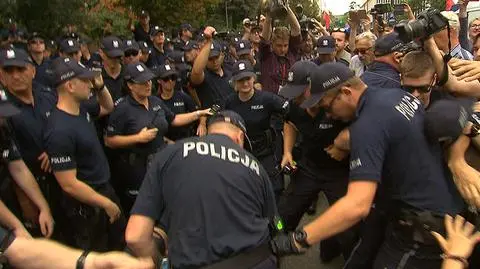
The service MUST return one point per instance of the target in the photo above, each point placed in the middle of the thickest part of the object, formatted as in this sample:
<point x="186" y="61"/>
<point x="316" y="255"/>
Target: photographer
<point x="278" y="51"/>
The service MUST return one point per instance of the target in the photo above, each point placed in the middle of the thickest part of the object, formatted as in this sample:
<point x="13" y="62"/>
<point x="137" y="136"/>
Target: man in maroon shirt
<point x="278" y="52"/>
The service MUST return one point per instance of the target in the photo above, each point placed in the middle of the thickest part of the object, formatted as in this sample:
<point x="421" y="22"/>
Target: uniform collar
<point x="361" y="102"/>
<point x="134" y="102"/>
<point x="16" y="101"/>
<point x="381" y="66"/>
<point x="120" y="76"/>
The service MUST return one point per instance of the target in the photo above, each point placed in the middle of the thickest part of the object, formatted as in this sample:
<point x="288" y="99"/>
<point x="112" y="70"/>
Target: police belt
<point x="262" y="144"/>
<point x="246" y="259"/>
<point x="416" y="225"/>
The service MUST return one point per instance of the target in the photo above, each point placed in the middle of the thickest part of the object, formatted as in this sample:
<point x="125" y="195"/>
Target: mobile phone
<point x="399" y="9"/>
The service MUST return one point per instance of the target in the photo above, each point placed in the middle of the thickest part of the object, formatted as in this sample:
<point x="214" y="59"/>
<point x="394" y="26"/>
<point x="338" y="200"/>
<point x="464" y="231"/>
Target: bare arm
<point x="43" y="254"/>
<point x="345" y="213"/>
<point x="293" y="22"/>
<point x="187" y="118"/>
<point x="105" y="101"/>
<point x="10" y="221"/>
<point x="121" y="141"/>
<point x="289" y="138"/>
<point x="267" y="28"/>
<point x="342" y="141"/>
<point x="139" y="236"/>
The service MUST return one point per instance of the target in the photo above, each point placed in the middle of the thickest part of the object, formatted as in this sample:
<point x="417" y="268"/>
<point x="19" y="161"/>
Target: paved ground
<point x="311" y="259"/>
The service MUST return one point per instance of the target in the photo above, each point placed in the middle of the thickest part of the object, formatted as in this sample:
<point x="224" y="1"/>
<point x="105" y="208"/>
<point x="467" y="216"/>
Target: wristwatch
<point x="301" y="237"/>
<point x="474" y="131"/>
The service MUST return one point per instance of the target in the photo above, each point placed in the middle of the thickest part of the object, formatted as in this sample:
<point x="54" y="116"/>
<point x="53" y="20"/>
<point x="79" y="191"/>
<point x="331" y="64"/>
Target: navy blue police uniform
<point x="129" y="118"/>
<point x="43" y="74"/>
<point x="157" y="57"/>
<point x="139" y="33"/>
<point x="257" y="113"/>
<point x="72" y="143"/>
<point x="222" y="211"/>
<point x="388" y="146"/>
<point x="316" y="170"/>
<point x="214" y="89"/>
<point x="179" y="103"/>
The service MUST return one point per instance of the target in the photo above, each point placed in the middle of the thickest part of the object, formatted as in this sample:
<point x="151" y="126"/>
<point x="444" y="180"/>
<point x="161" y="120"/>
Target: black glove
<point x="283" y="244"/>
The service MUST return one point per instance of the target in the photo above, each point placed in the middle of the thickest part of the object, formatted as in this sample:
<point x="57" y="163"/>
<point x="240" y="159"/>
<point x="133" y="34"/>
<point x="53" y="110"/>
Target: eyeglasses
<point x="475" y="26"/>
<point x="421" y="88"/>
<point x="364" y="51"/>
<point x="172" y="78"/>
<point x="130" y="53"/>
<point x="328" y="109"/>
<point x="336" y="30"/>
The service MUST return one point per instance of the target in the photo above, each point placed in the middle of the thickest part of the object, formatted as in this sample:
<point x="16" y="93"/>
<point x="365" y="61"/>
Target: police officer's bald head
<point x="230" y="124"/>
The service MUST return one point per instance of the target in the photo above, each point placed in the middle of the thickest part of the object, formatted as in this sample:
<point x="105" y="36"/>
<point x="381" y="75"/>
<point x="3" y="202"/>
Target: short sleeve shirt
<point x="30" y="123"/>
<point x="180" y="103"/>
<point x="388" y="145"/>
<point x="130" y="117"/>
<point x="214" y="89"/>
<point x="72" y="143"/>
<point x="213" y="198"/>
<point x="140" y="34"/>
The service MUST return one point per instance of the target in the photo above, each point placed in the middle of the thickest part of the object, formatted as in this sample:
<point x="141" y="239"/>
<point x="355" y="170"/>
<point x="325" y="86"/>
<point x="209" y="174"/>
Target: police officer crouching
<point x="213" y="198"/>
<point x="257" y="108"/>
<point x="137" y="129"/>
<point x="78" y="160"/>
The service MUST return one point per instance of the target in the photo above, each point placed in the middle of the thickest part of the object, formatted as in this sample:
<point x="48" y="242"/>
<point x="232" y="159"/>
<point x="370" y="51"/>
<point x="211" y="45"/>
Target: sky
<point x="337" y="7"/>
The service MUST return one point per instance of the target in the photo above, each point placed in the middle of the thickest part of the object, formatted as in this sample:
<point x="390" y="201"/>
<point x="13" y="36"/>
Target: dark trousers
<point x="399" y="252"/>
<point x="303" y="190"/>
<point x="372" y="235"/>
<point x="269" y="263"/>
<point x="270" y="164"/>
<point x="90" y="226"/>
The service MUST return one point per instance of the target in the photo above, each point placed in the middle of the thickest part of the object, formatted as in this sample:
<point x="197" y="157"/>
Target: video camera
<point x="380" y="9"/>
<point x="426" y="24"/>
<point x="278" y="9"/>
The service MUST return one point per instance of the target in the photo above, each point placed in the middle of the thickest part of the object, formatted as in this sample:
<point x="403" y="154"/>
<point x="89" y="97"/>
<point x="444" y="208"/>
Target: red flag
<point x="449" y="4"/>
<point x="326" y="18"/>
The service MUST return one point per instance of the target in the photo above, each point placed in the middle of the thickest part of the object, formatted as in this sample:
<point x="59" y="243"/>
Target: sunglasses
<point x="130" y="53"/>
<point x="336" y="30"/>
<point x="172" y="78"/>
<point x="421" y="88"/>
<point x="363" y="51"/>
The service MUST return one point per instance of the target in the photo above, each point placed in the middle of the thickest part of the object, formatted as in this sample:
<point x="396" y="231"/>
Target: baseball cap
<point x="15" y="57"/>
<point x="215" y="49"/>
<point x="228" y="116"/>
<point x="36" y="35"/>
<point x="241" y="70"/>
<point x="387" y="44"/>
<point x="190" y="45"/>
<point x="138" y="73"/>
<point x="178" y="57"/>
<point x="165" y="70"/>
<point x="326" y="77"/>
<point x="65" y="69"/>
<point x="156" y="29"/>
<point x="298" y="79"/>
<point x="446" y="118"/>
<point x="144" y="14"/>
<point x="325" y="45"/>
<point x="186" y="26"/>
<point x="144" y="47"/>
<point x="69" y="45"/>
<point x="112" y="46"/>
<point x="130" y="44"/>
<point x="243" y="47"/>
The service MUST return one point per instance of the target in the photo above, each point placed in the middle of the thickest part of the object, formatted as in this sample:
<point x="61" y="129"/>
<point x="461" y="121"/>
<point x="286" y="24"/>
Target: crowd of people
<point x="204" y="150"/>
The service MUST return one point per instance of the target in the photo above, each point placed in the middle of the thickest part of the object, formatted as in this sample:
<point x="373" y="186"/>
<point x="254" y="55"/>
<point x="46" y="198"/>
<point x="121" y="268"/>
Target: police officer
<point x="191" y="50"/>
<point x="185" y="34"/>
<point x="131" y="52"/>
<point x="178" y="102"/>
<point x="219" y="217"/>
<point x="142" y="29"/>
<point x="244" y="51"/>
<point x="388" y="146"/>
<point x="176" y="59"/>
<point x="158" y="56"/>
<point x="137" y="128"/>
<point x="36" y="48"/>
<point x="111" y="51"/>
<point x="384" y="72"/>
<point x="70" y="47"/>
<point x="78" y="161"/>
<point x="18" y="171"/>
<point x="146" y="51"/>
<point x="315" y="170"/>
<point x="35" y="102"/>
<point x="208" y="77"/>
<point x="257" y="108"/>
